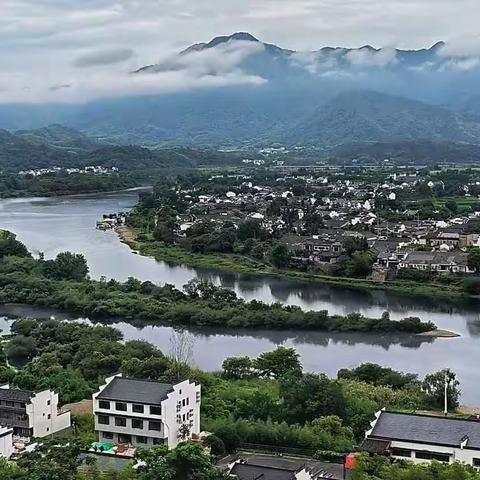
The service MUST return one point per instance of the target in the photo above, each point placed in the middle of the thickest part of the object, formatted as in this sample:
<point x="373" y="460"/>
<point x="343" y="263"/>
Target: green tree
<point x="237" y="368"/>
<point x="186" y="462"/>
<point x="474" y="258"/>
<point x="278" y="363"/>
<point x="280" y="256"/>
<point x="9" y="245"/>
<point x="310" y="396"/>
<point x="434" y="389"/>
<point x="66" y="266"/>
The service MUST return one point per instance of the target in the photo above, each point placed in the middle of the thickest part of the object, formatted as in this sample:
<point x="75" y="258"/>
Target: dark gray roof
<point x="135" y="391"/>
<point x="16" y="395"/>
<point x="378" y="447"/>
<point x="244" y="471"/>
<point x="427" y="429"/>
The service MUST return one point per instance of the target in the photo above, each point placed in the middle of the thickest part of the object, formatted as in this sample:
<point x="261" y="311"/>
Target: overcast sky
<point x="50" y="48"/>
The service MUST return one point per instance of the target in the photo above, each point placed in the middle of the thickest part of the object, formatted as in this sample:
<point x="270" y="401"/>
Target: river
<point x="53" y="225"/>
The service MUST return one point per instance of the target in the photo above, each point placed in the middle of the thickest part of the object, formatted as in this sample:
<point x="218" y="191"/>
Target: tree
<point x="378" y="375"/>
<point x="434" y="388"/>
<point x="474" y="258"/>
<point x="21" y="348"/>
<point x="310" y="396"/>
<point x="451" y="205"/>
<point x="277" y="363"/>
<point x="10" y="470"/>
<point x="280" y="256"/>
<point x="217" y="447"/>
<point x="188" y="461"/>
<point x="52" y="460"/>
<point x="9" y="245"/>
<point x="66" y="266"/>
<point x="237" y="368"/>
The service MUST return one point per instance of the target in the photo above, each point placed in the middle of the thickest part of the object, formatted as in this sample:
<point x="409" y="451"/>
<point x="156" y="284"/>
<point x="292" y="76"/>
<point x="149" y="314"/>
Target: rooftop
<point x="135" y="391"/>
<point x="427" y="429"/>
<point x="16" y="395"/>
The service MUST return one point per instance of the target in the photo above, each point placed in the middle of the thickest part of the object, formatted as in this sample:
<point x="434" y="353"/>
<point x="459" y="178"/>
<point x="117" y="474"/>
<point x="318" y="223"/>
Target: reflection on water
<point x="54" y="225"/>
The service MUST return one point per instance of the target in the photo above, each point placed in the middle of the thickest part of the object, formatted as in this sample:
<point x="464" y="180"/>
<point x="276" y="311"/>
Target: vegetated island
<point x="63" y="283"/>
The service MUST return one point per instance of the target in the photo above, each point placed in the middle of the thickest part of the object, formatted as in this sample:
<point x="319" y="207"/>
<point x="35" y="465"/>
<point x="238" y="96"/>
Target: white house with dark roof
<point x="145" y="413"/>
<point x="31" y="414"/>
<point x="423" y="438"/>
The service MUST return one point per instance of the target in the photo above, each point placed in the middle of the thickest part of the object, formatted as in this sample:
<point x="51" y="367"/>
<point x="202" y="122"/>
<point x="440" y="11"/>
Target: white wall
<point x="182" y="391"/>
<point x="457" y="454"/>
<point x="6" y="442"/>
<point x="43" y="414"/>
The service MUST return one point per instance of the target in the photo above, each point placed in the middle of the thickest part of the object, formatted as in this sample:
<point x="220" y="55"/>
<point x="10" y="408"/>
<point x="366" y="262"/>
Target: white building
<point x="6" y="442"/>
<point x="423" y="438"/>
<point x="31" y="414"/>
<point x="145" y="413"/>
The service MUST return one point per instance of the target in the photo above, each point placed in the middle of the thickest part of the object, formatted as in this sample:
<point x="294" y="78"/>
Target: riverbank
<point x="244" y="265"/>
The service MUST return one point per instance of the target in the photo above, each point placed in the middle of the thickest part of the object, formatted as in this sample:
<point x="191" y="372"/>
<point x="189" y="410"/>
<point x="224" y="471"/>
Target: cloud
<point x="40" y="38"/>
<point x="104" y="57"/>
<point x="467" y="46"/>
<point x="370" y="57"/>
<point x="210" y="68"/>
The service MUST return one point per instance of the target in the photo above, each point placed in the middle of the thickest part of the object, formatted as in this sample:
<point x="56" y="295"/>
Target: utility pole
<point x="446" y="394"/>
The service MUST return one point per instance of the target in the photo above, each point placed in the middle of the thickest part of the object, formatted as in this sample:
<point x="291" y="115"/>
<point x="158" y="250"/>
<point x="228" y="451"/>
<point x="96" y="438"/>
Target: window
<point x="439" y="457"/>
<point x="124" y="438"/>
<point x="155" y="410"/>
<point x="198" y="397"/>
<point x="120" y="406"/>
<point x="156" y="426"/>
<point x="476" y="462"/>
<point x="48" y="402"/>
<point x="9" y="404"/>
<point x="120" y="422"/>
<point x="137" y="423"/>
<point x="142" y="440"/>
<point x="184" y="402"/>
<point x="137" y="408"/>
<point x="104" y="404"/>
<point x="107" y="435"/>
<point x="49" y="416"/>
<point x="188" y="400"/>
<point x="104" y="420"/>
<point x="158" y="441"/>
<point x="401" y="452"/>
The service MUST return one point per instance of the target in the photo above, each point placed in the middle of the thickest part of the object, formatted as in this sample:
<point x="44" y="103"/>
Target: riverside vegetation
<point x="62" y="283"/>
<point x="267" y="400"/>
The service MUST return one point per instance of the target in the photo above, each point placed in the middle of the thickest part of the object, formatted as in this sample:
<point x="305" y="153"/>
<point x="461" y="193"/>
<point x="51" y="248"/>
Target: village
<point x="379" y="223"/>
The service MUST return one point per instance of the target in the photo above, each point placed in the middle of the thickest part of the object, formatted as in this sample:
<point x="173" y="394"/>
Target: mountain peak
<point x="238" y="36"/>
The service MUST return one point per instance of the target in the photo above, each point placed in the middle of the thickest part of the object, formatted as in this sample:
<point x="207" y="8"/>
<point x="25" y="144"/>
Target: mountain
<point x="24" y="151"/>
<point x="58" y="136"/>
<point x="237" y="91"/>
<point x="366" y="116"/>
<point x="418" y="152"/>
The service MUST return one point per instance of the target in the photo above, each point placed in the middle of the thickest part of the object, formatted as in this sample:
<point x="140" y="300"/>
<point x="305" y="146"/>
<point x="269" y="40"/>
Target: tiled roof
<point x="427" y="429"/>
<point x="132" y="390"/>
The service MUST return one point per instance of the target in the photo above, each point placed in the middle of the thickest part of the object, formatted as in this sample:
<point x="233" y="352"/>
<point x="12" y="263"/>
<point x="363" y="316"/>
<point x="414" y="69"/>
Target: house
<point x="252" y="466"/>
<point x="145" y="413"/>
<point x="441" y="262"/>
<point x="31" y="414"/>
<point x="423" y="438"/>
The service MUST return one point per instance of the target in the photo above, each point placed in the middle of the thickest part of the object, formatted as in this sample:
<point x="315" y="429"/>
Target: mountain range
<point x="323" y="98"/>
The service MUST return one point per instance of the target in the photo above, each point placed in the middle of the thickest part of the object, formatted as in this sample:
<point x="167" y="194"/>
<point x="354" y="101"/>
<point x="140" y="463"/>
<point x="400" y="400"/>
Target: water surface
<point x="54" y="225"/>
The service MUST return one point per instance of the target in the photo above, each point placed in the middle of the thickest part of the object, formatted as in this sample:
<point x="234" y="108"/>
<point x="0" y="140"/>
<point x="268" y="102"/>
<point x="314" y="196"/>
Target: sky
<point x="77" y="50"/>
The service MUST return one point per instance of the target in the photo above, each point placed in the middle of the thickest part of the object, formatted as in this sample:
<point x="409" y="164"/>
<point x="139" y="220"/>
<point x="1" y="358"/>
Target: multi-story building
<point x="423" y="438"/>
<point x="145" y="413"/>
<point x="31" y="414"/>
